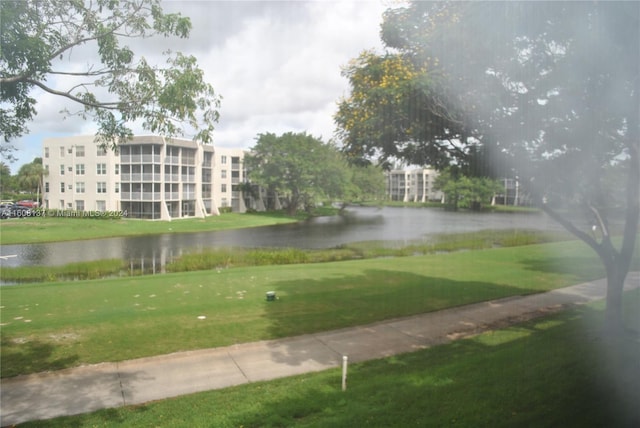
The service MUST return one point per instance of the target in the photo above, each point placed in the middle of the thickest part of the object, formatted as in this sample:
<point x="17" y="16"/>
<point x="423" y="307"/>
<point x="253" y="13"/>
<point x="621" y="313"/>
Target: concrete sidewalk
<point x="88" y="388"/>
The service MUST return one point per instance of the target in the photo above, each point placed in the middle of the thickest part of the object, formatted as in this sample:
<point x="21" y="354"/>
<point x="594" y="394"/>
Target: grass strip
<point x="237" y="257"/>
<point x="56" y="229"/>
<point x="58" y="325"/>
<point x="553" y="371"/>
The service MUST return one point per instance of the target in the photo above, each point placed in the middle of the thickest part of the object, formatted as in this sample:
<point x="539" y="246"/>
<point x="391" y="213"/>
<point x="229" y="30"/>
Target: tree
<point x="30" y="176"/>
<point x="553" y="87"/>
<point x="464" y="191"/>
<point x="368" y="182"/>
<point x="5" y="177"/>
<point x="299" y="167"/>
<point x="393" y="113"/>
<point x="37" y="40"/>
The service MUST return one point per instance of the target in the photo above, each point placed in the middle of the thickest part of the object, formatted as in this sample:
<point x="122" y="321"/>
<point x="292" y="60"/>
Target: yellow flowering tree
<point x="395" y="112"/>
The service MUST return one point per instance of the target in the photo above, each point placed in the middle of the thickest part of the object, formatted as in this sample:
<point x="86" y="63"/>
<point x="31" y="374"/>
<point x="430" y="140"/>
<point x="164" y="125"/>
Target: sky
<point x="276" y="65"/>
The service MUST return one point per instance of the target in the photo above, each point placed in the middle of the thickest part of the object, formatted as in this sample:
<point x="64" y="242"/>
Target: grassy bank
<point x="556" y="372"/>
<point x="488" y="208"/>
<point x="239" y="257"/>
<point x="54" y="229"/>
<point x="57" y="325"/>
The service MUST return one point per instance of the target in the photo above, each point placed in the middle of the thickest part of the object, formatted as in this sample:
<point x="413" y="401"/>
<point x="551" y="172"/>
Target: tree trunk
<point x="292" y="207"/>
<point x="614" y="322"/>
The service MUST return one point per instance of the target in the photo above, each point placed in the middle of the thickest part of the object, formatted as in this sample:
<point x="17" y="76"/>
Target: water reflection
<point x="357" y="224"/>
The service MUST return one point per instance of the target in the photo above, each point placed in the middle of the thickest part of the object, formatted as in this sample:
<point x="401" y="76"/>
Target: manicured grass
<point x="556" y="371"/>
<point x="54" y="229"/>
<point x="58" y="325"/>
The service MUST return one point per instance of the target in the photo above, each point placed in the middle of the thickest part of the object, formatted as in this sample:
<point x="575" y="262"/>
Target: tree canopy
<point x="550" y="90"/>
<point x="393" y="114"/>
<point x="465" y="191"/>
<point x="38" y="40"/>
<point x="30" y="176"/>
<point x="300" y="168"/>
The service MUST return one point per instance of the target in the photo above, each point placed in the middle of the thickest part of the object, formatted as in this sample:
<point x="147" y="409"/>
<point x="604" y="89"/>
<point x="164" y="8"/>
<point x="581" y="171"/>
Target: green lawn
<point x="556" y="371"/>
<point x="54" y="229"/>
<point x="56" y="325"/>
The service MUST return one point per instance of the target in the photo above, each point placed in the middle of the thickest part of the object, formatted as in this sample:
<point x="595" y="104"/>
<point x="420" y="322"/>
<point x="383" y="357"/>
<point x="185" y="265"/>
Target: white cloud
<point x="276" y="63"/>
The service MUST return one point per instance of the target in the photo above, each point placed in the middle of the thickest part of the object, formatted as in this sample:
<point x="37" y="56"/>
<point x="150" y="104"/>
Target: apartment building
<point x="150" y="177"/>
<point x="229" y="176"/>
<point x="412" y="185"/>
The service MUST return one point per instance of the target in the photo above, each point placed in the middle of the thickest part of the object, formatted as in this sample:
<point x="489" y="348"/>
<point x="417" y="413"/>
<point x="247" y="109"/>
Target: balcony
<point x="153" y="177"/>
<point x="137" y="177"/>
<point x="188" y="178"/>
<point x="172" y="196"/>
<point x="139" y="158"/>
<point x="140" y="196"/>
<point x="171" y="177"/>
<point x="172" y="160"/>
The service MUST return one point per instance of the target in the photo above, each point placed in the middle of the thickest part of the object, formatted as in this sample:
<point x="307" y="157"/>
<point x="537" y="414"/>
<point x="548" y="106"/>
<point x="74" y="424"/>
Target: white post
<point x="344" y="372"/>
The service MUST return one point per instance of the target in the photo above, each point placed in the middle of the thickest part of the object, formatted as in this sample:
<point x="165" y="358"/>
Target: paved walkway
<point x="88" y="388"/>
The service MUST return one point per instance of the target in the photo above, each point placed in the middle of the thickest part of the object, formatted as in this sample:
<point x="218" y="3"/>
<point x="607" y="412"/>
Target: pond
<point x="397" y="225"/>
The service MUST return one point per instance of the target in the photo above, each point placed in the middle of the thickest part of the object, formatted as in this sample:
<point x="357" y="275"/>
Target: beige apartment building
<point x="412" y="185"/>
<point x="150" y="177"/>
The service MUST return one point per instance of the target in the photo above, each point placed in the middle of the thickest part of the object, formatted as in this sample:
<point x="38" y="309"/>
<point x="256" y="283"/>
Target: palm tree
<point x="30" y="177"/>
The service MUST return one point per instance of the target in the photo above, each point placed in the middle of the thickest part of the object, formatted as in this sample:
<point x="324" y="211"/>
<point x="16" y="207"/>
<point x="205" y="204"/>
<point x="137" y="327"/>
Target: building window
<point x="61" y="151"/>
<point x="61" y="169"/>
<point x="117" y="169"/>
<point x="80" y="205"/>
<point x="46" y="186"/>
<point x="70" y="169"/>
<point x="61" y="187"/>
<point x="70" y="187"/>
<point x="223" y="188"/>
<point x="80" y="187"/>
<point x="61" y="204"/>
<point x="80" y="169"/>
<point x="70" y="151"/>
<point x="101" y="151"/>
<point x="117" y="189"/>
<point x="208" y="157"/>
<point x="102" y="187"/>
<point x="46" y="152"/>
<point x="223" y="173"/>
<point x="101" y="205"/>
<point x="101" y="168"/>
<point x="79" y="151"/>
<point x="223" y="159"/>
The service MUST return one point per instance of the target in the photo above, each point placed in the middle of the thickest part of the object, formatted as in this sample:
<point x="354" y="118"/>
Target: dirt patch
<point x="507" y="322"/>
<point x="64" y="337"/>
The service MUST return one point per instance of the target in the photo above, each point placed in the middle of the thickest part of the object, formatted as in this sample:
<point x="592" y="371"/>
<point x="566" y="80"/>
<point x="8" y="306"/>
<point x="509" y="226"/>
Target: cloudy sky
<point x="276" y="64"/>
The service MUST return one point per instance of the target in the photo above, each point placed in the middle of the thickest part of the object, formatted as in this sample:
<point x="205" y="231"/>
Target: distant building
<point x="513" y="193"/>
<point x="412" y="185"/>
<point x="229" y="176"/>
<point x="150" y="177"/>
